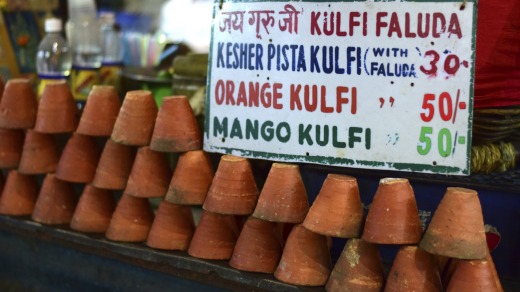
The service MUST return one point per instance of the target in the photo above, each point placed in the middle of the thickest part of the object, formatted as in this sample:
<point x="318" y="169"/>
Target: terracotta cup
<point x="233" y="189"/>
<point x="258" y="248"/>
<point x="57" y="111"/>
<point x="150" y="174"/>
<point x="131" y="220"/>
<point x="191" y="179"/>
<point x="283" y="197"/>
<point x="100" y="112"/>
<point x="393" y="217"/>
<point x="11" y="145"/>
<point x="473" y="275"/>
<point x="19" y="194"/>
<point x="94" y="210"/>
<point x="413" y="270"/>
<point x="215" y="237"/>
<point x="40" y="154"/>
<point x="136" y="119"/>
<point x="18" y="105"/>
<point x="457" y="227"/>
<point x="337" y="210"/>
<point x="79" y="160"/>
<point x="305" y="259"/>
<point x="359" y="268"/>
<point x="172" y="228"/>
<point x="56" y="202"/>
<point x="114" y="166"/>
<point x="176" y="128"/>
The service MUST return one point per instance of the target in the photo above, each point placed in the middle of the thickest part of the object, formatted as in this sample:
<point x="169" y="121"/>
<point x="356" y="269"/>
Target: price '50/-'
<point x="445" y="141"/>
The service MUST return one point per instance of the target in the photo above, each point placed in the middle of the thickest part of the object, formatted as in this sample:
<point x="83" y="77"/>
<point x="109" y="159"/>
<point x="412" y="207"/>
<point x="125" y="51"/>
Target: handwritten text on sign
<point x="384" y="85"/>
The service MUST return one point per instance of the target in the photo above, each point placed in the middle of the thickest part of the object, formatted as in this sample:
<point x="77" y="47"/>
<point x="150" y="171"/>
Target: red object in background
<point x="497" y="69"/>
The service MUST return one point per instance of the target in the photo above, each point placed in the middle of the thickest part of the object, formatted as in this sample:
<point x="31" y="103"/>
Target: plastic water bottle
<point x="83" y="31"/>
<point x="53" y="58"/>
<point x="111" y="44"/>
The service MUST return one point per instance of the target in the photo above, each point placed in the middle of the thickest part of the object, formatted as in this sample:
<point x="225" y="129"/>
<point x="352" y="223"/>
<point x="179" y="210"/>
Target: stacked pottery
<point x="120" y="168"/>
<point x="176" y="132"/>
<point x="18" y="107"/>
<point x="457" y="232"/>
<point x="232" y="193"/>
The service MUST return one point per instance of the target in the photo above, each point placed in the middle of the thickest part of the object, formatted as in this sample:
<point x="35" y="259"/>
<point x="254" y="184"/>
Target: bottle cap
<point x="53" y="25"/>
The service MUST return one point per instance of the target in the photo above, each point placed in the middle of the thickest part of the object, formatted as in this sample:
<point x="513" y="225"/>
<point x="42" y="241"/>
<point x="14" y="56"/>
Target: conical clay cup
<point x="473" y="275"/>
<point x="393" y="217"/>
<point x="136" y="119"/>
<point x="11" y="145"/>
<point x="114" y="166"/>
<point x="457" y="227"/>
<point x="176" y="128"/>
<point x="283" y="197"/>
<point x="359" y="268"/>
<point x="215" y="237"/>
<point x="258" y="248"/>
<point x="233" y="189"/>
<point x="57" y="111"/>
<point x="19" y="194"/>
<point x="191" y="179"/>
<point x="18" y="105"/>
<point x="56" y="202"/>
<point x="94" y="210"/>
<point x="100" y="112"/>
<point x="150" y="174"/>
<point x="305" y="259"/>
<point x="172" y="228"/>
<point x="40" y="154"/>
<point x="337" y="210"/>
<point x="413" y="270"/>
<point x="131" y="220"/>
<point x="79" y="160"/>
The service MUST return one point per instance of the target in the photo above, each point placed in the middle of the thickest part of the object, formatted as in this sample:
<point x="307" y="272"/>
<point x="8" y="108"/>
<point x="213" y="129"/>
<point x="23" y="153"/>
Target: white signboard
<point x="383" y="85"/>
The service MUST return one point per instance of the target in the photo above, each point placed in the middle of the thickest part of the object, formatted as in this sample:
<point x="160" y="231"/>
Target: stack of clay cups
<point x="393" y="219"/>
<point x="177" y="134"/>
<point x="232" y="194"/>
<point x="457" y="233"/>
<point x="18" y="107"/>
<point x="128" y="165"/>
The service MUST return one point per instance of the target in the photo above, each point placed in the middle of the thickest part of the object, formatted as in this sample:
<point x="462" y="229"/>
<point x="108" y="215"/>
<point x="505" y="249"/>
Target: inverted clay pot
<point x="359" y="268"/>
<point x="18" y="105"/>
<point x="283" y="197"/>
<point x="457" y="226"/>
<point x="94" y="210"/>
<point x="57" y="111"/>
<point x="114" y="166"/>
<point x="136" y="119"/>
<point x="413" y="270"/>
<point x="393" y="217"/>
<point x="40" y="154"/>
<point x="150" y="174"/>
<point x="258" y="248"/>
<point x="176" y="128"/>
<point x="305" y="259"/>
<point x="214" y="237"/>
<point x="79" y="159"/>
<point x="19" y="194"/>
<point x="172" y="227"/>
<point x="337" y="210"/>
<point x="100" y="112"/>
<point x="191" y="179"/>
<point x="233" y="189"/>
<point x="56" y="202"/>
<point x="131" y="220"/>
<point x="11" y="145"/>
<point x="473" y="275"/>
